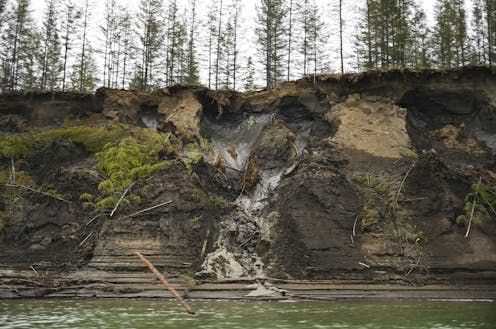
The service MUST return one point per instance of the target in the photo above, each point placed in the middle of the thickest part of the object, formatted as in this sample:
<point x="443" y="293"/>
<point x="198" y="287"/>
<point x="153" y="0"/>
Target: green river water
<point x="158" y="314"/>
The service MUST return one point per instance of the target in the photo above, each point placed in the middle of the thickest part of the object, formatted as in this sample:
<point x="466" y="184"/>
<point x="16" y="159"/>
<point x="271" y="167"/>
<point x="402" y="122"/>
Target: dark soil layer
<point x="374" y="171"/>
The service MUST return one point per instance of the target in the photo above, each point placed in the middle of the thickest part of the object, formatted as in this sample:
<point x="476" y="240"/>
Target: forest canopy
<point x="165" y="42"/>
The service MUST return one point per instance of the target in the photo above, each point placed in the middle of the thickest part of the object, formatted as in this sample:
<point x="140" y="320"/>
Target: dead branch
<point x="204" y="247"/>
<point x="121" y="198"/>
<point x="473" y="208"/>
<point x="353" y="233"/>
<point x="12" y="171"/>
<point x="402" y="183"/>
<point x="86" y="239"/>
<point x="93" y="219"/>
<point x="145" y="210"/>
<point x="413" y="267"/>
<point x="364" y="265"/>
<point x="38" y="191"/>
<point x="35" y="271"/>
<point x="165" y="283"/>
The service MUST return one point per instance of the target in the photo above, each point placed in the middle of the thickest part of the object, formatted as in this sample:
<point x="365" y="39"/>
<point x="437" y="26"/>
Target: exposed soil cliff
<point x="359" y="178"/>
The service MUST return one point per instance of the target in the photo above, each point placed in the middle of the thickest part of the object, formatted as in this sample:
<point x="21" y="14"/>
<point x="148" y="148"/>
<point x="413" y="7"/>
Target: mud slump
<point x="256" y="150"/>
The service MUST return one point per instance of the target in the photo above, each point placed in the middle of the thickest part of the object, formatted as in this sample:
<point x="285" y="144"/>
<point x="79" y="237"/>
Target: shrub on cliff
<point x="127" y="161"/>
<point x="480" y="203"/>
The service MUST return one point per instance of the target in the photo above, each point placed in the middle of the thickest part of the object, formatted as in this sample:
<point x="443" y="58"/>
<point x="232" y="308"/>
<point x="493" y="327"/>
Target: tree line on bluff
<point x="164" y="42"/>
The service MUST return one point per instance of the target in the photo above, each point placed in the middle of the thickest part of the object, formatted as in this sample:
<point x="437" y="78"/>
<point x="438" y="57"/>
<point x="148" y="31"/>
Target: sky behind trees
<point x="231" y="44"/>
<point x="328" y="8"/>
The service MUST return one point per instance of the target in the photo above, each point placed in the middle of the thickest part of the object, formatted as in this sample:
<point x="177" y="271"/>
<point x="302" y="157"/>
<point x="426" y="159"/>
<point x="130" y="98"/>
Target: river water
<point x="232" y="315"/>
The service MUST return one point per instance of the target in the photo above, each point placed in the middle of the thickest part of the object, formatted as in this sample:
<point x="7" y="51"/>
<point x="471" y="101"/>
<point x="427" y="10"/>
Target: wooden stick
<point x="473" y="209"/>
<point x="364" y="265"/>
<point x="204" y="247"/>
<point x="35" y="271"/>
<point x="402" y="183"/>
<point x="86" y="239"/>
<point x="121" y="198"/>
<point x="38" y="191"/>
<point x="12" y="171"/>
<point x="353" y="232"/>
<point x="165" y="283"/>
<point x="93" y="219"/>
<point x="145" y="210"/>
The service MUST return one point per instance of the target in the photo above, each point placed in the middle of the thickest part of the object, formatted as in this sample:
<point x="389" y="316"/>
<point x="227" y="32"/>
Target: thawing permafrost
<point x="234" y="254"/>
<point x="233" y="141"/>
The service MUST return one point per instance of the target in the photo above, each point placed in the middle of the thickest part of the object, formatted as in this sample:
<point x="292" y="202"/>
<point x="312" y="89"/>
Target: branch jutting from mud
<point x="38" y="191"/>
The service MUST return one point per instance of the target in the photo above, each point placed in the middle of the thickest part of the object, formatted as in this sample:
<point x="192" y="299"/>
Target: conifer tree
<point x="173" y="32"/>
<point x="388" y="31"/>
<point x="341" y="35"/>
<point x="236" y="17"/>
<point x="151" y="35"/>
<point x="219" y="42"/>
<point x="82" y="69"/>
<point x="126" y="43"/>
<point x="211" y="27"/>
<point x="290" y="36"/>
<point x="70" y="16"/>
<point x="311" y="46"/>
<point x="50" y="58"/>
<point x="450" y="36"/>
<point x="418" y="47"/>
<point x="83" y="76"/>
<point x="30" y="79"/>
<point x="271" y="37"/>
<point x="250" y="76"/>
<point x="108" y="30"/>
<point x="490" y="15"/>
<point x="193" y="74"/>
<point x="16" y="53"/>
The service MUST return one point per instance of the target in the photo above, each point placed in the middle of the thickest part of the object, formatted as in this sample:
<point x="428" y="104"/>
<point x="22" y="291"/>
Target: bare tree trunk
<point x="218" y="47"/>
<point x="83" y="52"/>
<point x="341" y="35"/>
<point x="290" y="37"/>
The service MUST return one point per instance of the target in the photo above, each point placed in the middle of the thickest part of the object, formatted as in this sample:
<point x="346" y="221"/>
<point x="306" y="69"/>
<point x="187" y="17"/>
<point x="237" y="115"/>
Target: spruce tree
<point x="250" y="76"/>
<point x="479" y="30"/>
<point x="193" y="74"/>
<point x="419" y="46"/>
<point x="83" y="77"/>
<point x="219" y="42"/>
<point x="126" y="43"/>
<point x="108" y="30"/>
<point x="150" y="35"/>
<point x="490" y="11"/>
<point x="82" y="65"/>
<point x="450" y="33"/>
<point x="291" y="10"/>
<point x="16" y="53"/>
<point x="50" y="61"/>
<point x="70" y="16"/>
<point x="172" y="41"/>
<point x="236" y="22"/>
<point x="271" y="41"/>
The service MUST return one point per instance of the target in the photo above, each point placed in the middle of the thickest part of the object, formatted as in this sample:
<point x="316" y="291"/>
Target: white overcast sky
<point x="328" y="9"/>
